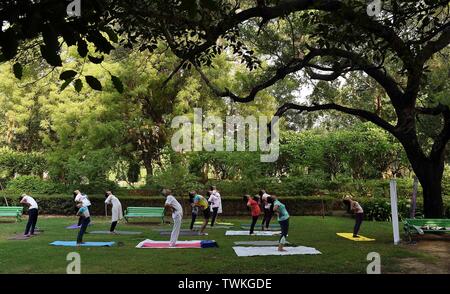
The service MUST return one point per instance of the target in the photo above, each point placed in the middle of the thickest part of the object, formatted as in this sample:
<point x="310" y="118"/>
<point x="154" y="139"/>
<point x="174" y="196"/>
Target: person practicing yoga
<point x="85" y="217"/>
<point x="177" y="215"/>
<point x="203" y="205"/>
<point x="32" y="214"/>
<point x="253" y="204"/>
<point x="84" y="200"/>
<point x="355" y="207"/>
<point x="213" y="200"/>
<point x="194" y="211"/>
<point x="283" y="219"/>
<point x="216" y="193"/>
<point x="268" y="209"/>
<point x="116" y="210"/>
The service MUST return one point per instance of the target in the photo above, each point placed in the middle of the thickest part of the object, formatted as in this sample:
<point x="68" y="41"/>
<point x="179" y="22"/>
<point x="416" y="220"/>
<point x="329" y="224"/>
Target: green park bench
<point x="425" y="226"/>
<point x="157" y="212"/>
<point x="15" y="211"/>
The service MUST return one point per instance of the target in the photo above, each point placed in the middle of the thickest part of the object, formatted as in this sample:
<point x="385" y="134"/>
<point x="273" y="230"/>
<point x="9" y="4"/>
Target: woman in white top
<point x="32" y="214"/>
<point x="117" y="212"/>
<point x="268" y="209"/>
<point x="214" y="202"/>
<point x="84" y="200"/>
<point x="177" y="215"/>
<point x="355" y="207"/>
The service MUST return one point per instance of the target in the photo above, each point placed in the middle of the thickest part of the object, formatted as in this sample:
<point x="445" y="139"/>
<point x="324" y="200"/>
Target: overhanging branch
<point x="370" y="116"/>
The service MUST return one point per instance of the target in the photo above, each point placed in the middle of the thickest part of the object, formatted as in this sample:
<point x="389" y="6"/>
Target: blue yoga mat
<point x="75" y="226"/>
<point x="85" y="244"/>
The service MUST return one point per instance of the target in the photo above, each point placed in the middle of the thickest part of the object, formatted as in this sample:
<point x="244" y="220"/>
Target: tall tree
<point x="325" y="38"/>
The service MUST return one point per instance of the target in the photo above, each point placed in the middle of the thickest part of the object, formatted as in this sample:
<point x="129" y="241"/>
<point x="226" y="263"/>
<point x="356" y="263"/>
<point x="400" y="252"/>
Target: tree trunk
<point x="429" y="171"/>
<point x="149" y="168"/>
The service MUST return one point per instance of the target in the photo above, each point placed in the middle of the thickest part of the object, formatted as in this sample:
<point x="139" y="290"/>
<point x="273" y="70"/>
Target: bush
<point x="379" y="209"/>
<point x="33" y="184"/>
<point x="232" y="206"/>
<point x="23" y="163"/>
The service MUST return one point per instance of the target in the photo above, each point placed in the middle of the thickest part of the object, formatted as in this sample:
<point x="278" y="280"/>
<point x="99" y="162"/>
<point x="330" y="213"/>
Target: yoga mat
<point x="85" y="244"/>
<point x="247" y="233"/>
<point x="217" y="223"/>
<point x="215" y="227"/>
<point x="274" y="226"/>
<point x="350" y="237"/>
<point x="182" y="233"/>
<point x="258" y="243"/>
<point x="264" y="251"/>
<point x="117" y="232"/>
<point x="258" y="228"/>
<point x="20" y="237"/>
<point x="75" y="226"/>
<point x="146" y="244"/>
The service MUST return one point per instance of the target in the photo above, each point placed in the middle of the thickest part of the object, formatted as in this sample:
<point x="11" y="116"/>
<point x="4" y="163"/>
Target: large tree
<point x="327" y="39"/>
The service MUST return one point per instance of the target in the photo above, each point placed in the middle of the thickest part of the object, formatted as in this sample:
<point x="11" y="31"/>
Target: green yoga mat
<point x="117" y="232"/>
<point x="215" y="227"/>
<point x="219" y="223"/>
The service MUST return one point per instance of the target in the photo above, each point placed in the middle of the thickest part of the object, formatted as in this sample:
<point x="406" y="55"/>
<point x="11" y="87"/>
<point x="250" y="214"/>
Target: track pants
<point x="358" y="220"/>
<point x="284" y="230"/>
<point x="175" y="230"/>
<point x="113" y="226"/>
<point x="267" y="217"/>
<point x="214" y="215"/>
<point x="32" y="220"/>
<point x="84" y="224"/>
<point x="252" y="226"/>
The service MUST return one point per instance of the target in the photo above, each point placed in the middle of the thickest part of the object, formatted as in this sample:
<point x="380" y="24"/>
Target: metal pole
<point x="394" y="211"/>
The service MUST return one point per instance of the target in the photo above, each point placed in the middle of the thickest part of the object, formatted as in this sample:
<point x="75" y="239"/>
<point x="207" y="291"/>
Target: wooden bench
<point x="425" y="226"/>
<point x="157" y="212"/>
<point x="15" y="211"/>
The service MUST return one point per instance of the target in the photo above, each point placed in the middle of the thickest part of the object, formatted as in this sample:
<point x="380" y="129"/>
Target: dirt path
<point x="437" y="247"/>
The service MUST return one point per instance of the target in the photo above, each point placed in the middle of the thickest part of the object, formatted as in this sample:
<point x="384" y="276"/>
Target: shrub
<point x="33" y="184"/>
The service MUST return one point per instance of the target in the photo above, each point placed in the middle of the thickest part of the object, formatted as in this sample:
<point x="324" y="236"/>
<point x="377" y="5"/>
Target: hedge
<point x="232" y="206"/>
<point x="375" y="208"/>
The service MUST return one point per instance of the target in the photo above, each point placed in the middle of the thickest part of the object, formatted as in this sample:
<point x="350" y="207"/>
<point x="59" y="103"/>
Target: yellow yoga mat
<point x="350" y="237"/>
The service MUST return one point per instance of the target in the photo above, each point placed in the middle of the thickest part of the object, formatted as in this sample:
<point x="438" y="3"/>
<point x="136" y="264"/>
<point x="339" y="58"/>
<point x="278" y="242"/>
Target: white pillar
<point x="394" y="211"/>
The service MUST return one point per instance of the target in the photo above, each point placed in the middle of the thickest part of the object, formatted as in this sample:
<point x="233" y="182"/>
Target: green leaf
<point x="65" y="84"/>
<point x="117" y="84"/>
<point x="82" y="48"/>
<point x="94" y="83"/>
<point x="111" y="34"/>
<point x="68" y="74"/>
<point x="78" y="85"/>
<point x="96" y="60"/>
<point x="51" y="56"/>
<point x="18" y="70"/>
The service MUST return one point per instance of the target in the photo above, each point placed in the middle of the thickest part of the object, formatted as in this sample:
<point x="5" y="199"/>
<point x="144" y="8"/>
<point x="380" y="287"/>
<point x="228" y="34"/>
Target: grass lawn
<point x="338" y="255"/>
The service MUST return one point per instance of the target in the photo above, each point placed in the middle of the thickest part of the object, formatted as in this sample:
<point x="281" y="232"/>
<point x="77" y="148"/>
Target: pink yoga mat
<point x="166" y="245"/>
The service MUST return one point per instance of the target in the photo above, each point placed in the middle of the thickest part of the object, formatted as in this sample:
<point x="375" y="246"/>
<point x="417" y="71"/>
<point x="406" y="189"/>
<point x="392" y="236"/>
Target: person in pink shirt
<point x="253" y="205"/>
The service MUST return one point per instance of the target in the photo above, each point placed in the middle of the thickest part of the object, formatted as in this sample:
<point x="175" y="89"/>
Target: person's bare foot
<point x="281" y="249"/>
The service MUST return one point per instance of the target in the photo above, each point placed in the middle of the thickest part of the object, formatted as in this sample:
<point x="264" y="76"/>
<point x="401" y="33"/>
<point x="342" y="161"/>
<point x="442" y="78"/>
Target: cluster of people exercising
<point x="209" y="206"/>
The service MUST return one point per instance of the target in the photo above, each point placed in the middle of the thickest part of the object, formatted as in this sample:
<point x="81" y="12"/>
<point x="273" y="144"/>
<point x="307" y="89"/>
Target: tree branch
<point x="370" y="116"/>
